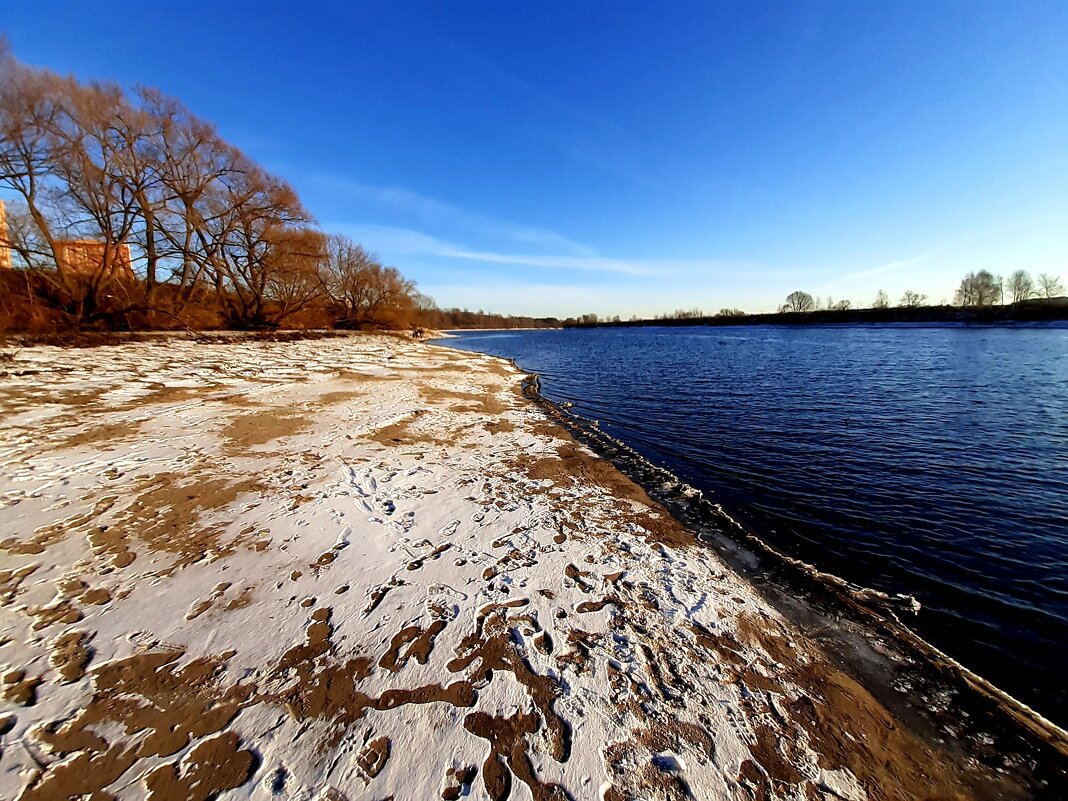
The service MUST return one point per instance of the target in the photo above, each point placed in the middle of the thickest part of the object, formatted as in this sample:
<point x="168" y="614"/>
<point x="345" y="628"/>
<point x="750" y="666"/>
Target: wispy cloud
<point x="888" y="267"/>
<point x="589" y="263"/>
<point x="435" y="213"/>
<point x="393" y="242"/>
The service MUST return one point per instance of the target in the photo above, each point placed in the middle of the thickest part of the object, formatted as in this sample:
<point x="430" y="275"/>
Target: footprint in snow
<point x="406" y="523"/>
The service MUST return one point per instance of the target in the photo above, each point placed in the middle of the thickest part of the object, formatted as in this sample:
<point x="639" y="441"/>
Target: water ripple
<point x="931" y="461"/>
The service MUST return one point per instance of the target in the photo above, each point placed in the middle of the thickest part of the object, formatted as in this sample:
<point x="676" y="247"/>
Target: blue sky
<point x="627" y="157"/>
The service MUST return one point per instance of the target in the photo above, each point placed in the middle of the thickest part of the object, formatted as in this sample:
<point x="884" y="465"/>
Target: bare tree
<point x="259" y="228"/>
<point x="99" y="200"/>
<point x="196" y="168"/>
<point x="799" y="302"/>
<point x="364" y="290"/>
<point x="842" y="305"/>
<point x="347" y="275"/>
<point x="32" y="107"/>
<point x="1050" y="286"/>
<point x="1020" y="286"/>
<point x="912" y="300"/>
<point x="293" y="279"/>
<point x="978" y="289"/>
<point x="882" y="300"/>
<point x="685" y="314"/>
<point x="146" y="142"/>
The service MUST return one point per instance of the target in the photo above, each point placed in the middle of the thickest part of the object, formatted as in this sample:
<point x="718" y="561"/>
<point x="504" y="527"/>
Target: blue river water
<point x="925" y="460"/>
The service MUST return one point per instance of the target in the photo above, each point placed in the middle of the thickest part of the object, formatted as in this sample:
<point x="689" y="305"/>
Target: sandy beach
<point x="365" y="567"/>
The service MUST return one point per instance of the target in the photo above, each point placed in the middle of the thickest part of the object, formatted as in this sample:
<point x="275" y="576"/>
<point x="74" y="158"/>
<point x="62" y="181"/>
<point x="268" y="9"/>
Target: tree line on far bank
<point x="131" y="212"/>
<point x="977" y="291"/>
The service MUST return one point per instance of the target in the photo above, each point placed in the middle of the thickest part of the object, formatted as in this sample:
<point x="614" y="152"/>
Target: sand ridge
<point x="367" y="568"/>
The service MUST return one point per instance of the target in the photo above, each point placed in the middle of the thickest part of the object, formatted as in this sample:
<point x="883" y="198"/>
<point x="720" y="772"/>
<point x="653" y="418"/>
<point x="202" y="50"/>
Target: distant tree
<point x="1020" y="286"/>
<point x="1050" y="286"/>
<point x="687" y="314"/>
<point x="912" y="300"/>
<point x="730" y="313"/>
<point x="588" y="319"/>
<point x="882" y="300"/>
<point x="424" y="303"/>
<point x="842" y="305"/>
<point x="799" y="302"/>
<point x="978" y="289"/>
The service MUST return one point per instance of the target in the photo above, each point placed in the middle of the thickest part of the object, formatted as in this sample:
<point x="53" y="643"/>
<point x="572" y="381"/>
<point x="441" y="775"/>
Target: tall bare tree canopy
<point x="799" y="302"/>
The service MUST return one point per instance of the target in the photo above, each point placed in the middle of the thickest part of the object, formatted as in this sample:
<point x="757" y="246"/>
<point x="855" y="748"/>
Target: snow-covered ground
<point x="368" y="568"/>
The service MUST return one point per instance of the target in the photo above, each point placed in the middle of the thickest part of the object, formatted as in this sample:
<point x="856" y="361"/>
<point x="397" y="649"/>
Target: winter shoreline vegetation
<point x="131" y="213"/>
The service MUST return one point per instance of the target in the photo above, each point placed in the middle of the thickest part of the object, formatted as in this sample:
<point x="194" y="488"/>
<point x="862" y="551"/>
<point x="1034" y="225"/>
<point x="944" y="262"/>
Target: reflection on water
<point x="931" y="461"/>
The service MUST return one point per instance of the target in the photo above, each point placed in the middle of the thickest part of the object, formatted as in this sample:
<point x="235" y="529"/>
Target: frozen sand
<point x="368" y="568"/>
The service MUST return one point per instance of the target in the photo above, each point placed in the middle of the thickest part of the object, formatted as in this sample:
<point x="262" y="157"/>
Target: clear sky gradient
<point x="555" y="158"/>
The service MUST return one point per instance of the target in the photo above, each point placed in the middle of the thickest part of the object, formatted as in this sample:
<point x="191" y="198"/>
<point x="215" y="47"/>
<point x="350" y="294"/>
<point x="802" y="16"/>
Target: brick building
<point x="5" y="251"/>
<point x="86" y="256"/>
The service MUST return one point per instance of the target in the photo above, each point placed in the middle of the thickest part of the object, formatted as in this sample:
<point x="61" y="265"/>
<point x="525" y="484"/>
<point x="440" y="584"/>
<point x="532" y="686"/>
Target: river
<point x="925" y="460"/>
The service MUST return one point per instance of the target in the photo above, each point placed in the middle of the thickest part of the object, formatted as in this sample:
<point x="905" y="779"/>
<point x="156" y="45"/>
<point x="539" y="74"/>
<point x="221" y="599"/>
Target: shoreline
<point x="365" y="565"/>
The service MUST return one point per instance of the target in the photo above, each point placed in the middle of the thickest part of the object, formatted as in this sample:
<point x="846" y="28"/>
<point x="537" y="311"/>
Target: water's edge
<point x="944" y="702"/>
